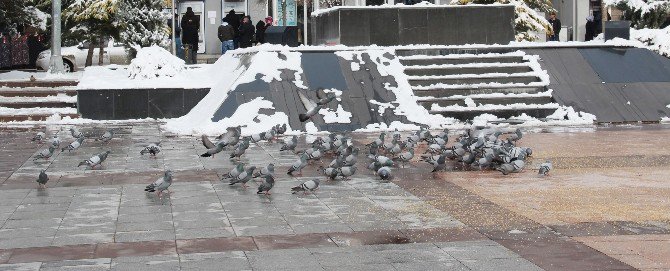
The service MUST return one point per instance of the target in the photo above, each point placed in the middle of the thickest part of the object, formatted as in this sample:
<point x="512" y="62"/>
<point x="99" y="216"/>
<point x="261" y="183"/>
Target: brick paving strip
<point x="252" y="243"/>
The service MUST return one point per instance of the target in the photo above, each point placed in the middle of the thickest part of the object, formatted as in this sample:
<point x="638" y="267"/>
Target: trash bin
<point x="283" y="35"/>
<point x="617" y="29"/>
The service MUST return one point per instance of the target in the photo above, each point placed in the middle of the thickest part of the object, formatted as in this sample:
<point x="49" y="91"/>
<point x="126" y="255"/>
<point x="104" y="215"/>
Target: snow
<point x="480" y="85"/>
<point x="568" y="113"/>
<point x="272" y="65"/>
<point x="484" y="119"/>
<point x="435" y="108"/>
<point x="155" y="62"/>
<point x="665" y="119"/>
<point x="381" y="106"/>
<point x="337" y="116"/>
<point x="395" y="125"/>
<point x="338" y="93"/>
<point x="489" y="96"/>
<point x="657" y="40"/>
<point x="421" y="5"/>
<point x="461" y="56"/>
<point x="469" y="102"/>
<point x="57" y="98"/>
<point x="310" y="128"/>
<point x="6" y="111"/>
<point x="469" y="65"/>
<point x="355" y="66"/>
<point x="252" y="121"/>
<point x="39" y="16"/>
<point x="24" y="76"/>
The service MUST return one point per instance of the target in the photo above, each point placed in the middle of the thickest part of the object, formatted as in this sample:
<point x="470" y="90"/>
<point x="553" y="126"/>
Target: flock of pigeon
<point x="482" y="149"/>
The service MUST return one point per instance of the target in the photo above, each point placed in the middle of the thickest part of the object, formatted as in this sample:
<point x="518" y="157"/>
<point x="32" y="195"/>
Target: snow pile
<point x="381" y="106"/>
<point x="395" y="125"/>
<point x="657" y="40"/>
<point x="337" y="116"/>
<point x="567" y="113"/>
<point x="155" y="62"/>
<point x="271" y="66"/>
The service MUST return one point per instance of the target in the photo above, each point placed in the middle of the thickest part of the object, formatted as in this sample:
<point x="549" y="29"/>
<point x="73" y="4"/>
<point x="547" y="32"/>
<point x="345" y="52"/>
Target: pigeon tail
<point x="82" y="163"/>
<point x="205" y="155"/>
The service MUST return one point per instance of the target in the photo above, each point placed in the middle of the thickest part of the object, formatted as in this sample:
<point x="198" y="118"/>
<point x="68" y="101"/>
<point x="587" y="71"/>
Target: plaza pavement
<point x="604" y="207"/>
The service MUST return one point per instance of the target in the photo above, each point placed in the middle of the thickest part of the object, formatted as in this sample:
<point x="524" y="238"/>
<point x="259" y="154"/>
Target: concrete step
<point x="476" y="80"/>
<point x="32" y="117"/>
<point x="459" y="60"/>
<point x="42" y="104"/>
<point x="453" y="51"/>
<point x="36" y="92"/>
<point x="409" y="70"/>
<point x="502" y="113"/>
<point x="427" y="103"/>
<point x="446" y="92"/>
<point x="38" y="84"/>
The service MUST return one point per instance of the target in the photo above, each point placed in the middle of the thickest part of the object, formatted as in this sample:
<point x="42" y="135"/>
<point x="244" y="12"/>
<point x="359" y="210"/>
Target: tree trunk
<point x="603" y="15"/>
<point x="102" y="51"/>
<point x="89" y="56"/>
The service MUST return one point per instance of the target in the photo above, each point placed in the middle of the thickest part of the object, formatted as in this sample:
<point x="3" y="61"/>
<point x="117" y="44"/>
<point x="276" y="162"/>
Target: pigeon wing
<point x="308" y="103"/>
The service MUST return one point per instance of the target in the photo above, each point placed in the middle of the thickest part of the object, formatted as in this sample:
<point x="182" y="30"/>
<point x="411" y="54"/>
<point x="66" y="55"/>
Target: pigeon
<point x="160" y="185"/>
<point x="350" y="159"/>
<point x="212" y="151"/>
<point x="384" y="173"/>
<point x="268" y="170"/>
<point x="440" y="164"/>
<point x="516" y="136"/>
<point x="329" y="172"/>
<point x="39" y="136"/>
<point x="95" y="160"/>
<point x="346" y="172"/>
<point x="257" y="137"/>
<point x="55" y="141"/>
<point x="106" y="137"/>
<point x="244" y="177"/>
<point x="377" y="142"/>
<point x="152" y="149"/>
<point x="324" y="99"/>
<point x="76" y="133"/>
<point x="290" y="144"/>
<point x="241" y="149"/>
<point x="406" y="156"/>
<point x="32" y="78"/>
<point x="45" y="153"/>
<point x="545" y="168"/>
<point x="265" y="187"/>
<point x="298" y="165"/>
<point x="239" y="168"/>
<point x="310" y="186"/>
<point x="74" y="145"/>
<point x="280" y="129"/>
<point x="42" y="179"/>
<point x="311" y="107"/>
<point x="512" y="167"/>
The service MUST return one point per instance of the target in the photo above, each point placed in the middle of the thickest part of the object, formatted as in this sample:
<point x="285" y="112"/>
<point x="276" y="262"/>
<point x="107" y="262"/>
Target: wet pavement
<point x="603" y="207"/>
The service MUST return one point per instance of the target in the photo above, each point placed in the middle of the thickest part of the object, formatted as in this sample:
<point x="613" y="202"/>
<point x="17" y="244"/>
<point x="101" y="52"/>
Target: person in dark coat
<point x="260" y="32"/>
<point x="234" y="20"/>
<point x="556" y="27"/>
<point x="590" y="28"/>
<point x="226" y="35"/>
<point x="190" y="28"/>
<point x="247" y="32"/>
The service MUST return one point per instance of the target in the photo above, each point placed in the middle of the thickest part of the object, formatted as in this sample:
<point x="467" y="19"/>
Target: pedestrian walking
<point x="590" y="28"/>
<point x="226" y="34"/>
<point x="190" y="27"/>
<point x="247" y="32"/>
<point x="555" y="27"/>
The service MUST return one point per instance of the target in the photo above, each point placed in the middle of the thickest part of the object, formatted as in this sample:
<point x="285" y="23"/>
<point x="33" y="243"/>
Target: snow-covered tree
<point x="14" y="14"/>
<point x="643" y="14"/>
<point x="528" y="23"/>
<point x="96" y="20"/>
<point x="142" y="23"/>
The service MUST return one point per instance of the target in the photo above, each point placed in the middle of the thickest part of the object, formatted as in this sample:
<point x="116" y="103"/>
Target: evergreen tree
<point x="643" y="14"/>
<point x="96" y="21"/>
<point x="528" y="23"/>
<point x="142" y="23"/>
<point x="13" y="14"/>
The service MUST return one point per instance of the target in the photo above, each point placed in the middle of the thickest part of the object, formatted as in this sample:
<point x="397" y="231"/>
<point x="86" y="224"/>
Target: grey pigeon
<point x="545" y="168"/>
<point x="76" y="133"/>
<point x="439" y="164"/>
<point x="39" y="136"/>
<point x="406" y="156"/>
<point x="257" y="137"/>
<point x="281" y="129"/>
<point x="95" y="160"/>
<point x="212" y="151"/>
<point x="267" y="170"/>
<point x="42" y="179"/>
<point x="298" y="165"/>
<point x="377" y="142"/>
<point x="160" y="185"/>
<point x="265" y="187"/>
<point x="350" y="159"/>
<point x="270" y="135"/>
<point x="324" y="99"/>
<point x="311" y="107"/>
<point x="74" y="145"/>
<point x="310" y="186"/>
<point x="516" y="136"/>
<point x="290" y="144"/>
<point x="106" y="137"/>
<point x="241" y="149"/>
<point x="244" y="177"/>
<point x="512" y="167"/>
<point x="329" y="172"/>
<point x="152" y="149"/>
<point x="55" y="141"/>
<point x="384" y="173"/>
<point x="45" y="153"/>
<point x="236" y="171"/>
<point x="346" y="172"/>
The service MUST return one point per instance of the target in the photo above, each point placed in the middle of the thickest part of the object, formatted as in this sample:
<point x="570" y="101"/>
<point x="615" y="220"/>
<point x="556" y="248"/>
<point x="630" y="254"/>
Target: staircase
<point x="37" y="101"/>
<point x="464" y="84"/>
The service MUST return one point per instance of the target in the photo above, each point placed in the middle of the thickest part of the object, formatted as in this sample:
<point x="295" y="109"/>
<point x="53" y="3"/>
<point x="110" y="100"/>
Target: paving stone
<point x="21" y="266"/>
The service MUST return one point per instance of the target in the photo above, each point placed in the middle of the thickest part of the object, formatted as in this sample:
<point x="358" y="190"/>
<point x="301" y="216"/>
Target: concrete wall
<point x="212" y="43"/>
<point x="439" y="25"/>
<point x="566" y="13"/>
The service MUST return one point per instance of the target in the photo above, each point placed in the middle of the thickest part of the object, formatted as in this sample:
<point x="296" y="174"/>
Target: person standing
<point x="590" y="28"/>
<point x="226" y="35"/>
<point x="555" y="26"/>
<point x="247" y="32"/>
<point x="261" y="27"/>
<point x="234" y="20"/>
<point x="190" y="27"/>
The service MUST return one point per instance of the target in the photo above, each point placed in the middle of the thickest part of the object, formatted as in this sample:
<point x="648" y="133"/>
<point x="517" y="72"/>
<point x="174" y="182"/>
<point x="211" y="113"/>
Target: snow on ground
<point x="270" y="65"/>
<point x="36" y="111"/>
<point x="155" y="62"/>
<point x="63" y="98"/>
<point x="39" y="75"/>
<point x="657" y="40"/>
<point x="481" y="107"/>
<point x="336" y="116"/>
